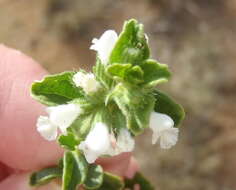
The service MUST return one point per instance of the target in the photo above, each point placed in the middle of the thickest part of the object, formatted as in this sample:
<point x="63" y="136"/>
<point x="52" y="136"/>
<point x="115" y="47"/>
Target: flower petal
<point x="105" y="44"/>
<point x="112" y="150"/>
<point x="78" y="79"/>
<point x="96" y="143"/>
<point x="159" y="123"/>
<point x="155" y="137"/>
<point x="89" y="155"/>
<point x="63" y="115"/>
<point x="46" y="128"/>
<point x="125" y="141"/>
<point x="98" y="139"/>
<point x="86" y="81"/>
<point x="169" y="138"/>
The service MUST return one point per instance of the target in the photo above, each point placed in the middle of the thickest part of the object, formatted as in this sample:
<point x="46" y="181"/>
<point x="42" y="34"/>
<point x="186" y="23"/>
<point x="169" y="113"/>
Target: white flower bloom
<point x="96" y="143"/>
<point x="100" y="142"/>
<point x="46" y="128"/>
<point x="86" y="81"/>
<point x="104" y="45"/>
<point x="123" y="143"/>
<point x="61" y="117"/>
<point x="163" y="129"/>
<point x="112" y="150"/>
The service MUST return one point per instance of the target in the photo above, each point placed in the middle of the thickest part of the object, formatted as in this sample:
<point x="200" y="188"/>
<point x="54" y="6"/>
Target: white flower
<point x="61" y="117"/>
<point x="46" y="128"/>
<point x="123" y="143"/>
<point x="100" y="142"/>
<point x="163" y="129"/>
<point x="96" y="143"/>
<point x="104" y="45"/>
<point x="112" y="150"/>
<point x="86" y="81"/>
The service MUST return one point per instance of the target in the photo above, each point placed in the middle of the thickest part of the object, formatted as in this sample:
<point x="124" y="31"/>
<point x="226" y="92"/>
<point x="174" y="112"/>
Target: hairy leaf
<point x="45" y="176"/>
<point x="56" y="89"/>
<point x="101" y="75"/>
<point x="126" y="73"/>
<point x="111" y="182"/>
<point x="131" y="46"/>
<point x="164" y="104"/>
<point x="135" y="105"/>
<point x="74" y="170"/>
<point x="69" y="141"/>
<point x="94" y="177"/>
<point x="135" y="75"/>
<point x="118" y="70"/>
<point x="83" y="124"/>
<point x="154" y="72"/>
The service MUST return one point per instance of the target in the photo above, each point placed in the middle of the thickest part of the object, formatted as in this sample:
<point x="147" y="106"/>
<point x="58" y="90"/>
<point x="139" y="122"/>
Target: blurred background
<point x="196" y="38"/>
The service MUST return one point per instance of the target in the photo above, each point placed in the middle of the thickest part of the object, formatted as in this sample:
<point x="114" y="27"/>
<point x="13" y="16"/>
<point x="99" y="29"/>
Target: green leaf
<point x="101" y="74"/>
<point x="111" y="182"/>
<point x="74" y="171"/>
<point x="56" y="89"/>
<point x="135" y="75"/>
<point x="69" y="141"/>
<point x="164" y="104"/>
<point x="140" y="180"/>
<point x="45" y="176"/>
<point x="94" y="177"/>
<point x="154" y="72"/>
<point x="116" y="119"/>
<point x="131" y="46"/>
<point x="126" y="73"/>
<point x="118" y="70"/>
<point x="82" y="124"/>
<point x="135" y="105"/>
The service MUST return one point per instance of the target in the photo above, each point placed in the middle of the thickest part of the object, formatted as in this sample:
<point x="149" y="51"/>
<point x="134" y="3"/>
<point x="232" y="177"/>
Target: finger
<point x="136" y="187"/>
<point x="4" y="171"/>
<point x="117" y="165"/>
<point x="21" y="146"/>
<point x="132" y="168"/>
<point x="21" y="182"/>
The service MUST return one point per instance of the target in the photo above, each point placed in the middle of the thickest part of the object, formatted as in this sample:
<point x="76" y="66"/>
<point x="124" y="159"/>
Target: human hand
<point x="22" y="149"/>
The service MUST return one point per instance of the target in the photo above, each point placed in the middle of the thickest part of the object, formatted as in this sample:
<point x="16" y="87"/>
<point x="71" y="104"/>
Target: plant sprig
<point x="100" y="113"/>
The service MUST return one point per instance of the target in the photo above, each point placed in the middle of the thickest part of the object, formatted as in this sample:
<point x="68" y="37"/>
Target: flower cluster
<point x="99" y="113"/>
<point x="101" y="140"/>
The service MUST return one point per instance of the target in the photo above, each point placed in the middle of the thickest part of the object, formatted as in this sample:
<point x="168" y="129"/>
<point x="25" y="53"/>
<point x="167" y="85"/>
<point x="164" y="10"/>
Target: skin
<point x="22" y="149"/>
